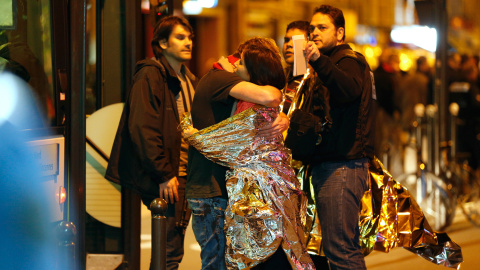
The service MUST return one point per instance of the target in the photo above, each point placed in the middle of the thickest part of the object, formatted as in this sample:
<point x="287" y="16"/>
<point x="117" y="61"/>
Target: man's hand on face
<point x="311" y="51"/>
<point x="277" y="127"/>
<point x="225" y="64"/>
<point x="169" y="190"/>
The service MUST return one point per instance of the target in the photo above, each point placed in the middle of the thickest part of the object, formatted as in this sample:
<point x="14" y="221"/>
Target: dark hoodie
<point x="146" y="150"/>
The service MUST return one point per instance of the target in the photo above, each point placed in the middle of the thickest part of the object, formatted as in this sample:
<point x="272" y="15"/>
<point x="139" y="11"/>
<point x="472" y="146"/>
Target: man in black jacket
<point x="344" y="94"/>
<point x="149" y="154"/>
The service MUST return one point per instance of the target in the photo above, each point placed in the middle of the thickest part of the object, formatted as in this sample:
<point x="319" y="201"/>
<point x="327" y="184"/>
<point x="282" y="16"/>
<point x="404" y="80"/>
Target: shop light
<point x="208" y="3"/>
<point x="192" y="7"/>
<point x="369" y="52"/>
<point x="62" y="195"/>
<point x="421" y="36"/>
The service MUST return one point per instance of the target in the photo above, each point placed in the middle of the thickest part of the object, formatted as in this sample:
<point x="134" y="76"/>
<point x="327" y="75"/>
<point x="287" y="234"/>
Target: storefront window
<point x="26" y="50"/>
<point x="103" y="87"/>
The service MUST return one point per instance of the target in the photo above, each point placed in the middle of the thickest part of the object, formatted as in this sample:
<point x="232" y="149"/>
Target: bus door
<point x="41" y="44"/>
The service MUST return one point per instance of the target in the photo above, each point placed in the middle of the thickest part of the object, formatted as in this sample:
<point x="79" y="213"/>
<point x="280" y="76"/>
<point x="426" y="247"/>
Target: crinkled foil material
<point x="312" y="228"/>
<point x="390" y="217"/>
<point x="267" y="208"/>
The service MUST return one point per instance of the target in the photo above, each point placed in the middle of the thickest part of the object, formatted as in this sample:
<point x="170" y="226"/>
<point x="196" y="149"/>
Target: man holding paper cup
<point x="344" y="93"/>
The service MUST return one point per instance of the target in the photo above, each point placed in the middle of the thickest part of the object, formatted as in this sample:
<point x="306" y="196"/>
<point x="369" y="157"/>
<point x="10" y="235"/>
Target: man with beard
<point x="344" y="94"/>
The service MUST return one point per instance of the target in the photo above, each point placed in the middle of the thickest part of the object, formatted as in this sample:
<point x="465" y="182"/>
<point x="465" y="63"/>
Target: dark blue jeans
<point x="208" y="218"/>
<point x="339" y="188"/>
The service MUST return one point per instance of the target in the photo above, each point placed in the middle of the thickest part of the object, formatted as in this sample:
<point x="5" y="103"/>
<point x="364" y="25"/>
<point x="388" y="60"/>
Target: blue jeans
<point x="208" y="218"/>
<point x="339" y="188"/>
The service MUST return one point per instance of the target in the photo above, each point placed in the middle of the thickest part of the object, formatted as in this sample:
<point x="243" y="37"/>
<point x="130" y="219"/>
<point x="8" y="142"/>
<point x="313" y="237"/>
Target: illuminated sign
<point x="421" y="36"/>
<point x="195" y="7"/>
<point x="47" y="158"/>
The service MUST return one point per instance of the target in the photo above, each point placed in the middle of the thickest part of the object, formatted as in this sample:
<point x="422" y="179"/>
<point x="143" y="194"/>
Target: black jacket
<point x="344" y="92"/>
<point x="146" y="150"/>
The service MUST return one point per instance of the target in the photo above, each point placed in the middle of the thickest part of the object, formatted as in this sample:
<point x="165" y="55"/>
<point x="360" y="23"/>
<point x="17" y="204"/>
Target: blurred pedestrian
<point x="416" y="87"/>
<point x="387" y="83"/>
<point x="454" y="61"/>
<point x="387" y="77"/>
<point x="466" y="93"/>
<point x="28" y="239"/>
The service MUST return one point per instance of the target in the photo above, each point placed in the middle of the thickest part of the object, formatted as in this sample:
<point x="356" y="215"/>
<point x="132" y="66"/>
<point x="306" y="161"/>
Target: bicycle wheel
<point x="433" y="196"/>
<point x="470" y="198"/>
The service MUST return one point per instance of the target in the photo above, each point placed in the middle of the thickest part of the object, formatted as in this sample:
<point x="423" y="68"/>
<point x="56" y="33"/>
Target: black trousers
<point x="278" y="261"/>
<point x="177" y="216"/>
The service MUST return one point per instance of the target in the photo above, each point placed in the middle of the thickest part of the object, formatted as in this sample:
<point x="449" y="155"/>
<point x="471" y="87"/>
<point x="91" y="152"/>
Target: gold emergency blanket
<point x="390" y="217"/>
<point x="266" y="206"/>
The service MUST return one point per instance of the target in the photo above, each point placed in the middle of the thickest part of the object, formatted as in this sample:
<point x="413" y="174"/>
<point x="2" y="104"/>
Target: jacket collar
<point x="338" y="48"/>
<point x="168" y="69"/>
<point x="171" y="73"/>
<point x="190" y="76"/>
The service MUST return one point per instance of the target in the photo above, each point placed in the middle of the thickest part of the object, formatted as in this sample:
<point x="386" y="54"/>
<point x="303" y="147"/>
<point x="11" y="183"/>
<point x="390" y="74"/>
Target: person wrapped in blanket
<point x="264" y="218"/>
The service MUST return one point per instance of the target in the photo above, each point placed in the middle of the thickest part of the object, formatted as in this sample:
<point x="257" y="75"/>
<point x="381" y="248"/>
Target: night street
<point x="108" y="107"/>
<point x="461" y="231"/>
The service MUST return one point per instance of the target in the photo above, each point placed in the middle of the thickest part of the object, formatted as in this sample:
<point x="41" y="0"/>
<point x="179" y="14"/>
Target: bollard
<point x="66" y="232"/>
<point x="159" y="234"/>
<point x="431" y="112"/>
<point x="454" y="109"/>
<point x="419" y="128"/>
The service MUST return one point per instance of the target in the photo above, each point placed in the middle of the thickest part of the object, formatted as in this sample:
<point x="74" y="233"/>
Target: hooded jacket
<point x="146" y="150"/>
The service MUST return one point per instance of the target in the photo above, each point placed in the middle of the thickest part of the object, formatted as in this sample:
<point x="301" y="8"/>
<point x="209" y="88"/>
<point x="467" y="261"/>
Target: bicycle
<point x="439" y="194"/>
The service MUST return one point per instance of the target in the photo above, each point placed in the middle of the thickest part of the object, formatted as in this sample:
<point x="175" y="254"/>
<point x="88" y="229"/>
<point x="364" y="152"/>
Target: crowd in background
<point x="398" y="92"/>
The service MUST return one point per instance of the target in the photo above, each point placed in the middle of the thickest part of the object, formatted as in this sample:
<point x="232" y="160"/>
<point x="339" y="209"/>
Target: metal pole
<point x="453" y="108"/>
<point x="159" y="234"/>
<point x="76" y="126"/>
<point x="431" y="113"/>
<point x="440" y="94"/>
<point x="420" y="114"/>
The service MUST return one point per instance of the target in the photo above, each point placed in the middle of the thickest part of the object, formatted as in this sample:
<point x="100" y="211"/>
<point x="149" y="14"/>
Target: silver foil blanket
<point x="266" y="206"/>
<point x="390" y="217"/>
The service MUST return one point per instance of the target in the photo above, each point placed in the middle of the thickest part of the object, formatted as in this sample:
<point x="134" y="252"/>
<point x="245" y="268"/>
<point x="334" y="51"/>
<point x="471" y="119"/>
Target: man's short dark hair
<point x="301" y="25"/>
<point x="420" y="61"/>
<point x="335" y="13"/>
<point x="163" y="29"/>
